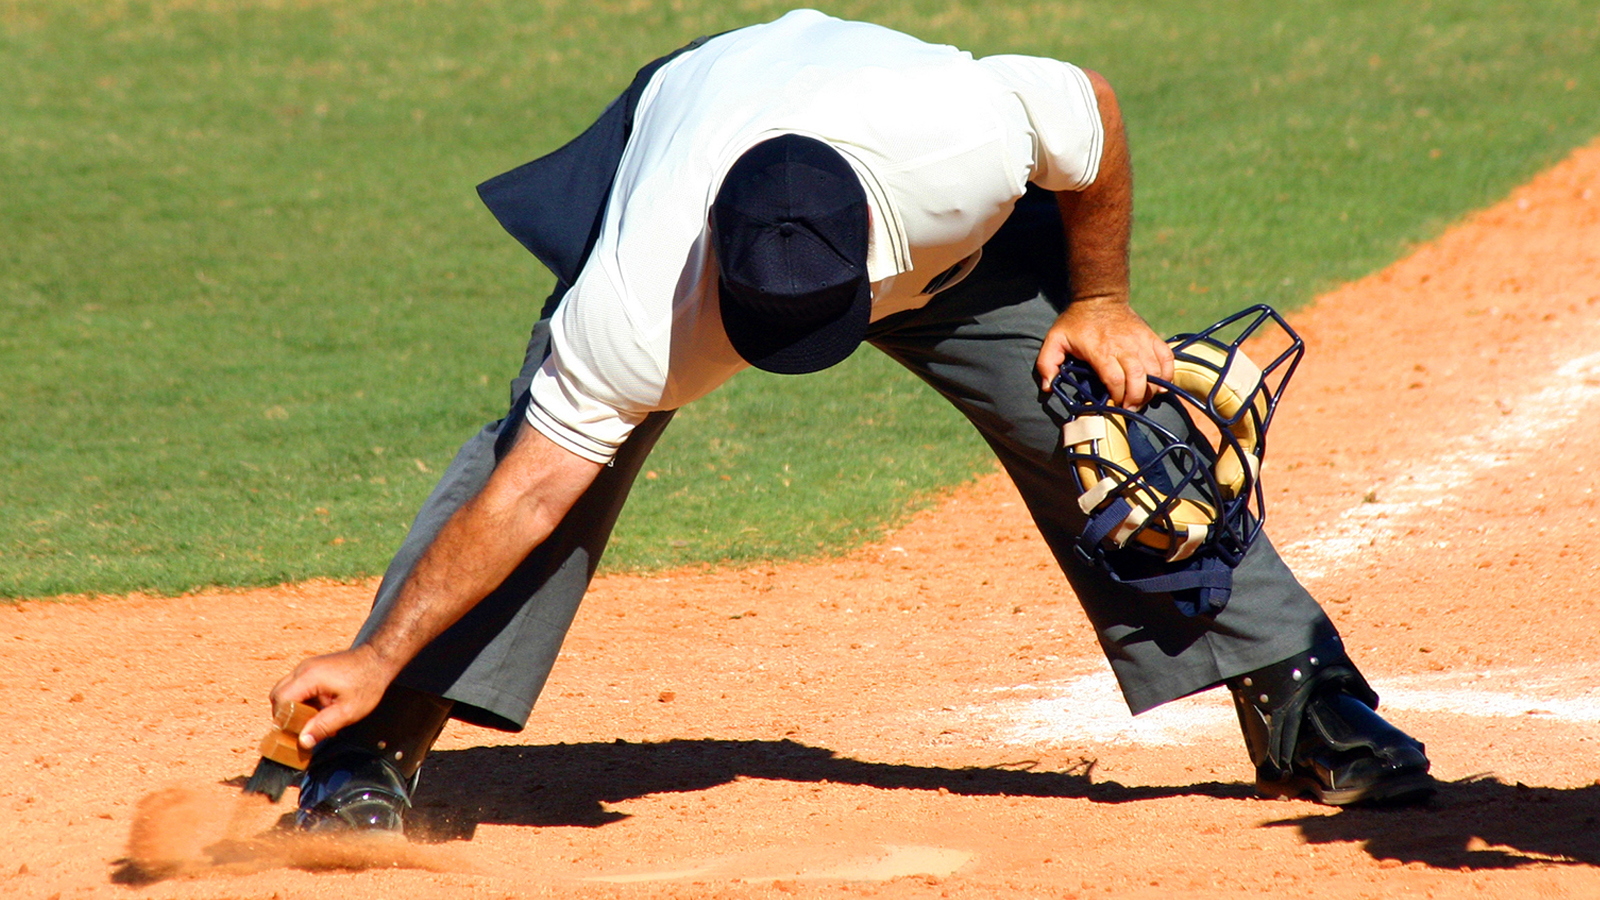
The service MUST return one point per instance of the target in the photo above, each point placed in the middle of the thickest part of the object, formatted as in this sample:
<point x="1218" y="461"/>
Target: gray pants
<point x="975" y="344"/>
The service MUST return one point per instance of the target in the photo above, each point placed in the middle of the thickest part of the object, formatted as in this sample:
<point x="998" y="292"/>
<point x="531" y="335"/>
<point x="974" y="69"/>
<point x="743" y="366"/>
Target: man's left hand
<point x="1115" y="342"/>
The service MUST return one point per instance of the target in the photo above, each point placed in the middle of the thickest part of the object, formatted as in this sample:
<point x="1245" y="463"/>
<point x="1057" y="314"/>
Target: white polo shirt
<point x="944" y="145"/>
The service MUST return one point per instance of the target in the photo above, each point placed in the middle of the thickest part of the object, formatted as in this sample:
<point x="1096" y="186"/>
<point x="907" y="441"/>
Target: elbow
<point x="1104" y="95"/>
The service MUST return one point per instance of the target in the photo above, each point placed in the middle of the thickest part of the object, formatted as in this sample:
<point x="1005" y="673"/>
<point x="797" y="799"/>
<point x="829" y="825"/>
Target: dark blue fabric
<point x="1149" y="460"/>
<point x="1206" y="572"/>
<point x="554" y="204"/>
<point x="790" y="224"/>
<point x="1198" y="586"/>
<point x="1107" y="520"/>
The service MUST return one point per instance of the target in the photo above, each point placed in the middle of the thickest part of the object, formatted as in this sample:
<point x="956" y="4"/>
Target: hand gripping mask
<point x="1172" y="491"/>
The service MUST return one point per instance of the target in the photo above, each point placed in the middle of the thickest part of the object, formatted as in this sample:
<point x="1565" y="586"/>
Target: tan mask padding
<point x="1185" y="526"/>
<point x="1237" y="383"/>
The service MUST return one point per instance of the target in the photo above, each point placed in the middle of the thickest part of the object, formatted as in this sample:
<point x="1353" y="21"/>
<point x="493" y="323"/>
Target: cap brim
<point x="798" y="352"/>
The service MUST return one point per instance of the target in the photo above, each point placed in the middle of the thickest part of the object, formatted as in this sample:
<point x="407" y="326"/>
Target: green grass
<point x="249" y="304"/>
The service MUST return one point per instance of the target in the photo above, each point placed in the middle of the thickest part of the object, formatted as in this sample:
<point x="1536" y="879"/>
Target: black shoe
<point x="1311" y="728"/>
<point x="353" y="792"/>
<point x="362" y="779"/>
<point x="1348" y="754"/>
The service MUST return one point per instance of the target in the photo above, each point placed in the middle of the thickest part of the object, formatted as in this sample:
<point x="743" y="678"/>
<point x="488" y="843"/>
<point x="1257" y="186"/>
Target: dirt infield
<point x="930" y="717"/>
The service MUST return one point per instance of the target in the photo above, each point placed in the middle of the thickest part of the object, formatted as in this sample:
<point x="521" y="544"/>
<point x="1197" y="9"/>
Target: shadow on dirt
<point x="1474" y="823"/>
<point x="567" y="784"/>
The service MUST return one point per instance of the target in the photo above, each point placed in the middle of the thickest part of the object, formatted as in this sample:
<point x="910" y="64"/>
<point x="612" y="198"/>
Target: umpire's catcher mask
<point x="1172" y="491"/>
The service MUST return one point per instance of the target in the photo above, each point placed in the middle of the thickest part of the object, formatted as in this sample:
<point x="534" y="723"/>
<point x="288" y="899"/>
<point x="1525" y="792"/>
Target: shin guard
<point x="1310" y="726"/>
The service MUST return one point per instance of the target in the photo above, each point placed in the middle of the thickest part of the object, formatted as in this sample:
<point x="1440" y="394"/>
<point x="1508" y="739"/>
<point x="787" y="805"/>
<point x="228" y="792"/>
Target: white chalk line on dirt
<point x="1090" y="708"/>
<point x="871" y="864"/>
<point x="1400" y="500"/>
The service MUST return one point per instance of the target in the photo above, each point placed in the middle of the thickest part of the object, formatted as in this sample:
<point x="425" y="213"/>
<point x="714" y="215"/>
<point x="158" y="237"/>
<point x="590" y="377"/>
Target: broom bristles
<point x="271" y="778"/>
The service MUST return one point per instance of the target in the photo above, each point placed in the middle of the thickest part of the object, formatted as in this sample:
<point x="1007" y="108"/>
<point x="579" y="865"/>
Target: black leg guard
<point x="1310" y="726"/>
<point x="362" y="778"/>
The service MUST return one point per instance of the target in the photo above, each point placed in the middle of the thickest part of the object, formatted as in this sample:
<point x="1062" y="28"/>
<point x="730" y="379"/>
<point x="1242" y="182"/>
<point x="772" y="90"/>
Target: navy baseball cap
<point x="789" y="226"/>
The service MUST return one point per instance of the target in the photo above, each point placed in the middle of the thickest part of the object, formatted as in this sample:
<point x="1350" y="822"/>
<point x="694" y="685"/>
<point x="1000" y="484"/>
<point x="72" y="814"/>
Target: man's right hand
<point x="343" y="686"/>
<point x="530" y="492"/>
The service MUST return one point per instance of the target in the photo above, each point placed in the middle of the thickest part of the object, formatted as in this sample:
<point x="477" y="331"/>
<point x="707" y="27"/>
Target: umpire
<point x="773" y="197"/>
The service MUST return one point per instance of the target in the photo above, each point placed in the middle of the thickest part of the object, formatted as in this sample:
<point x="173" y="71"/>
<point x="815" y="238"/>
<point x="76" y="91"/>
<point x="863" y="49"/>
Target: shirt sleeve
<point x="602" y="375"/>
<point x="575" y="422"/>
<point x="1061" y="107"/>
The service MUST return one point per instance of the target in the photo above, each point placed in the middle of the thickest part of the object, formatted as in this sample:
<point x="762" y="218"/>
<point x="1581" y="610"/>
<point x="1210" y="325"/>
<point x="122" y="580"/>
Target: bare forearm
<point x="1099" y="326"/>
<point x="1099" y="219"/>
<point x="529" y="493"/>
<point x="476" y="550"/>
<point x="488" y="537"/>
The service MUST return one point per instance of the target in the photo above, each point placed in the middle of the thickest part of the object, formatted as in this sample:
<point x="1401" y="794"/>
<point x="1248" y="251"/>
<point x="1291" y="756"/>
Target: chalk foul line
<point x="1089" y="708"/>
<point x="1401" y="500"/>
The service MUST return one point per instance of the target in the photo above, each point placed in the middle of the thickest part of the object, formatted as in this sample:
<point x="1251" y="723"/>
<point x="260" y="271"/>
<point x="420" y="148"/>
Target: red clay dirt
<point x="929" y="716"/>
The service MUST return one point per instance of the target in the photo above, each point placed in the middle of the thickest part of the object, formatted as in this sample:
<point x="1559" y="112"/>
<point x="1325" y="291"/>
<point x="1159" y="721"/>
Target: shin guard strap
<point x="399" y="731"/>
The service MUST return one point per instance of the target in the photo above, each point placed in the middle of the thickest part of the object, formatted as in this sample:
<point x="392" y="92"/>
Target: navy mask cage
<point x="1172" y="491"/>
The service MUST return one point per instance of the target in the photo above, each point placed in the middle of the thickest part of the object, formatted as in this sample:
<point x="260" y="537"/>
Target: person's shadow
<point x="1474" y="823"/>
<point x="569" y="784"/>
